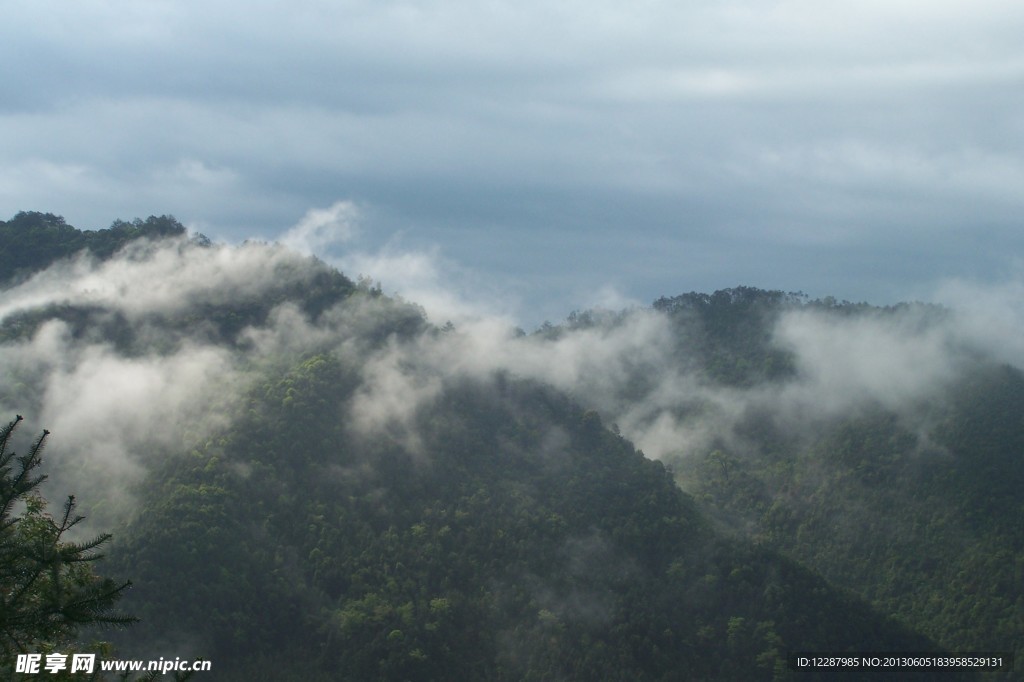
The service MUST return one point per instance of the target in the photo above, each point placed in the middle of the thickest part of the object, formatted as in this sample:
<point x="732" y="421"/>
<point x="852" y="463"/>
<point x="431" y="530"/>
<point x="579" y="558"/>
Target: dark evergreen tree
<point x="48" y="588"/>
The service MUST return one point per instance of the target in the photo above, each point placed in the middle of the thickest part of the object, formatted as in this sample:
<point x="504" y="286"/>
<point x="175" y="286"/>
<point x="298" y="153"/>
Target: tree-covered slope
<point x="518" y="539"/>
<point x="298" y="468"/>
<point x="912" y="500"/>
<point x="161" y="284"/>
<point x="928" y="526"/>
<point x="33" y="241"/>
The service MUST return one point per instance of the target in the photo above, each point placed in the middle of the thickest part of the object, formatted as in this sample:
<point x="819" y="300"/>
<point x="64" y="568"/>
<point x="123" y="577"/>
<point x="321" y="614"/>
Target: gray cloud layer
<point x="864" y="150"/>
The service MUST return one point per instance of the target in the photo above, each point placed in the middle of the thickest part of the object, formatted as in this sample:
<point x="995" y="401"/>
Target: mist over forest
<point x="294" y="462"/>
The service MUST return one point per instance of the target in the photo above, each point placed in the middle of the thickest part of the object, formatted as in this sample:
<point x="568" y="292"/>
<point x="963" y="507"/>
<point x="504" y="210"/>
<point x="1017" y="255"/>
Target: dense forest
<point x="306" y="479"/>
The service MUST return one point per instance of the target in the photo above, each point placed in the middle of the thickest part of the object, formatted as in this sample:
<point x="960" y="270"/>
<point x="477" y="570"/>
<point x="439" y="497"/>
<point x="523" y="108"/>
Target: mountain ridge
<point x="399" y="487"/>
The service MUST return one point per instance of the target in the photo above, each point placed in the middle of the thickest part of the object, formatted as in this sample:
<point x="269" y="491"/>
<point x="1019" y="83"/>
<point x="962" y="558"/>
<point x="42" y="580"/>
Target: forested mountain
<point x="32" y="240"/>
<point x="307" y="480"/>
<point x="914" y="503"/>
<point x="518" y="540"/>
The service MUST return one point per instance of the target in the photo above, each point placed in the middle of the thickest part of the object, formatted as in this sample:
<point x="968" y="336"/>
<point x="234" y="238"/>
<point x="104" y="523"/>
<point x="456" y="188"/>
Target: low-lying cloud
<point x="322" y="228"/>
<point x="112" y="415"/>
<point x="160" y="278"/>
<point x="628" y="366"/>
<point x="113" y="412"/>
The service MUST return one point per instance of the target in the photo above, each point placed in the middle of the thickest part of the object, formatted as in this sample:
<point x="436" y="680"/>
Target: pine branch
<point x="5" y="434"/>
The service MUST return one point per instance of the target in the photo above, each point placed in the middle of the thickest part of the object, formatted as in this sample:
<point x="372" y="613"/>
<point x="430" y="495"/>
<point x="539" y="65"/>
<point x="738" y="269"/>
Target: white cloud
<point x="112" y="416"/>
<point x="118" y="411"/>
<point x="445" y="290"/>
<point x="990" y="317"/>
<point x="161" y="278"/>
<point x="844" y="362"/>
<point x="322" y="228"/>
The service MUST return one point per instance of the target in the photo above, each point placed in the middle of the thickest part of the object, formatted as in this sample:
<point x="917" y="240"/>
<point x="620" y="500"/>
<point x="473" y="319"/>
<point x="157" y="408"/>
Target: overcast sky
<point x="541" y="156"/>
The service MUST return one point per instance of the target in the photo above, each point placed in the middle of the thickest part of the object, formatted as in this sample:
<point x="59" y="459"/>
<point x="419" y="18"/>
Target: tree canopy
<point x="49" y="590"/>
<point x="360" y="496"/>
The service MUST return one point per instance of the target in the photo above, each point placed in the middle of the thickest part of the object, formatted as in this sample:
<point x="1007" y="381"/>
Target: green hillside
<point x="307" y="480"/>
<point x="917" y="509"/>
<point x="523" y="541"/>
